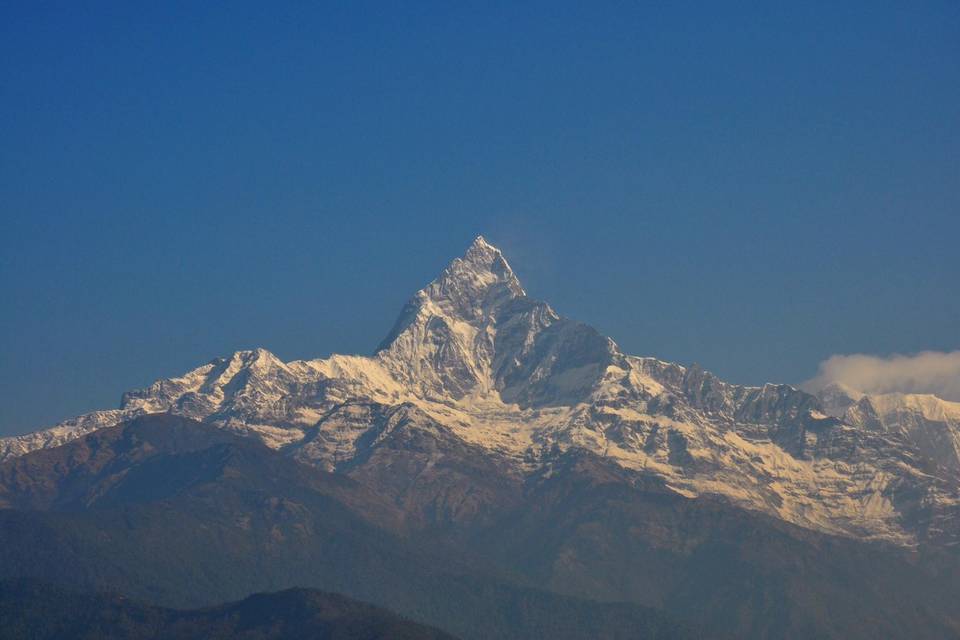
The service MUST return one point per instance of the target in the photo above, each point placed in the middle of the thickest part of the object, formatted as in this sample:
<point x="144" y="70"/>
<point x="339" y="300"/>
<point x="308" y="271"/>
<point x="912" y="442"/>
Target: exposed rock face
<point x="473" y="362"/>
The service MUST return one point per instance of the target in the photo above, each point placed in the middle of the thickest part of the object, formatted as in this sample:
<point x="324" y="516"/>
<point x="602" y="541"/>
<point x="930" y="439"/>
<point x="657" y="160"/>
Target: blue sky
<point x="751" y="188"/>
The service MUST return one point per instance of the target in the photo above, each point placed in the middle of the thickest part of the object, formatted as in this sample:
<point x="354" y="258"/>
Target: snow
<point x="929" y="406"/>
<point x="472" y="355"/>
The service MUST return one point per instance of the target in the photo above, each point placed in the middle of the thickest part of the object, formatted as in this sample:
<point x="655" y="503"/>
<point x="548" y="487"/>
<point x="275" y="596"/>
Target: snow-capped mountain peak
<point x="474" y="332"/>
<point x="471" y="289"/>
<point x="472" y="358"/>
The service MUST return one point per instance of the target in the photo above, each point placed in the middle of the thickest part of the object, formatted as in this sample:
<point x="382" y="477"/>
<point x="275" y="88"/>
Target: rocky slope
<point x="474" y="362"/>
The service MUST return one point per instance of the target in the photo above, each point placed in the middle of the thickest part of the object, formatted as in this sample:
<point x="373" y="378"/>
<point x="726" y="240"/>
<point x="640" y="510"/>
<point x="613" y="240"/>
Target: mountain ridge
<point x="47" y="612"/>
<point x="473" y="356"/>
<point x="182" y="513"/>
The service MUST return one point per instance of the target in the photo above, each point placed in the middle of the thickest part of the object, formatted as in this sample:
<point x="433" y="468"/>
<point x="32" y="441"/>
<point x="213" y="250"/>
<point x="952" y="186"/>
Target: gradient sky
<point x="752" y="189"/>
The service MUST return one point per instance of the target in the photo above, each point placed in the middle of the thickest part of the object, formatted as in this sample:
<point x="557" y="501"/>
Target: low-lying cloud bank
<point x="933" y="372"/>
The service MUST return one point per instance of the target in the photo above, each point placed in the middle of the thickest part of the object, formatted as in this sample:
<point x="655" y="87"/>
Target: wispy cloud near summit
<point x="933" y="372"/>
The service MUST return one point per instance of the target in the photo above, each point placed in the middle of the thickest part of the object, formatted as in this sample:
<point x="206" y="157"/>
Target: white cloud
<point x="933" y="372"/>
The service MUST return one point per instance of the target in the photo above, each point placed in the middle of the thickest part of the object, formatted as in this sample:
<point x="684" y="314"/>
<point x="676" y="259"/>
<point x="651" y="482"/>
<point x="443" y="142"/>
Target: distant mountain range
<point x="497" y="470"/>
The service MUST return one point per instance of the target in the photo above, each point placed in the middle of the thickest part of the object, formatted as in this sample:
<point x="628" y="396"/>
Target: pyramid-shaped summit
<point x="471" y="289"/>
<point x="473" y="330"/>
<point x="484" y="259"/>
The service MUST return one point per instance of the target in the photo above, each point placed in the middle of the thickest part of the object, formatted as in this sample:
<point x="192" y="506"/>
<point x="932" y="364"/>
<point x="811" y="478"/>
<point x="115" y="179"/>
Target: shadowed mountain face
<point x="168" y="510"/>
<point x="500" y="471"/>
<point x="171" y="511"/>
<point x="38" y="611"/>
